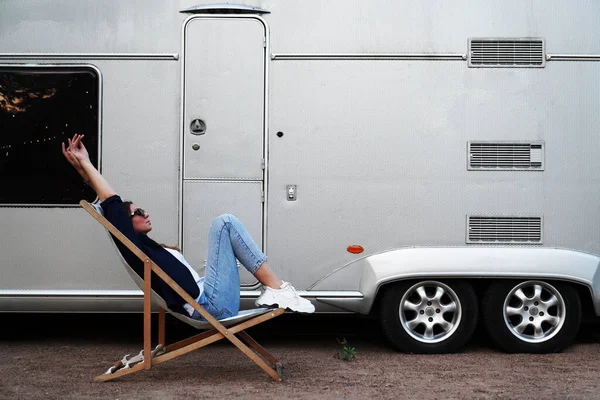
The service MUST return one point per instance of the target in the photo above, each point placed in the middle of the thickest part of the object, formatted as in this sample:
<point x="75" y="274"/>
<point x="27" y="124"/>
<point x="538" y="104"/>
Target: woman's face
<point x="141" y="224"/>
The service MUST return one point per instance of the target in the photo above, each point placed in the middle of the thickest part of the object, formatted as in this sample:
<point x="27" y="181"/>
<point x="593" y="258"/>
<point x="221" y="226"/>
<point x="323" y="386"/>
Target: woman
<point x="218" y="291"/>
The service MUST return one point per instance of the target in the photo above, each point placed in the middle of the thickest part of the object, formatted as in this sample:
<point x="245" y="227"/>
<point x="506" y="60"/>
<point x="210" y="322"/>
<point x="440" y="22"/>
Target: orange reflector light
<point x="355" y="249"/>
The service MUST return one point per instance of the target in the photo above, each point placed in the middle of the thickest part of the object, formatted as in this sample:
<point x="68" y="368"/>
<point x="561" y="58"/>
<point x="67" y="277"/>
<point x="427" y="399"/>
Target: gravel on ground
<point x="48" y="356"/>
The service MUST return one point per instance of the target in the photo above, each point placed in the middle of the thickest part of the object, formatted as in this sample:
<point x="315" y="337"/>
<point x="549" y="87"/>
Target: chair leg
<point x="147" y="316"/>
<point x="214" y="337"/>
<point x="190" y="340"/>
<point x="254" y="357"/>
<point x="161" y="326"/>
<point x="185" y="346"/>
<point x="190" y="344"/>
<point x="184" y="349"/>
<point x="259" y="349"/>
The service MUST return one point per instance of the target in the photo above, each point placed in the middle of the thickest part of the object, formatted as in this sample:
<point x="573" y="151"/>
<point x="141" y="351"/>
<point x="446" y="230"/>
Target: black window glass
<point x="40" y="107"/>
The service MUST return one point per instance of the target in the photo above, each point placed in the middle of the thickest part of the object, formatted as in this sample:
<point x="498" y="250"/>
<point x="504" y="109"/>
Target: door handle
<point x="198" y="127"/>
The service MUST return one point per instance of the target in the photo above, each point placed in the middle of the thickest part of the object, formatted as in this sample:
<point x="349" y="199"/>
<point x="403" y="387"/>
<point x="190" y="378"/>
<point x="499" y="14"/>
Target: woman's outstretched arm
<point x="77" y="155"/>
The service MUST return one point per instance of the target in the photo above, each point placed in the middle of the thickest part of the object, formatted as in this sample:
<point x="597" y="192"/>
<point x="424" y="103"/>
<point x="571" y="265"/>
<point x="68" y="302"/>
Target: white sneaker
<point x="285" y="297"/>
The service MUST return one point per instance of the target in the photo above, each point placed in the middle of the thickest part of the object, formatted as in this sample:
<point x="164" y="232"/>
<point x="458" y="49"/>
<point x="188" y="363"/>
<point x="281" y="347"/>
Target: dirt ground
<point x="56" y="356"/>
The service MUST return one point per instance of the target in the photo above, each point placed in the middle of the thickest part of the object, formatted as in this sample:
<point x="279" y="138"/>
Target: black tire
<point x="503" y="326"/>
<point x="413" y="338"/>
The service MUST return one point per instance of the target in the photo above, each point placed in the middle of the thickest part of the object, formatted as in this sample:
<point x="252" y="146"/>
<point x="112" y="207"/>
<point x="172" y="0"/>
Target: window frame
<point x="64" y="67"/>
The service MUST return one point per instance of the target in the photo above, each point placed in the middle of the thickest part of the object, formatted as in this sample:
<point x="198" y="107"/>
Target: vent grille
<point x="504" y="229"/>
<point x="510" y="52"/>
<point x="526" y="156"/>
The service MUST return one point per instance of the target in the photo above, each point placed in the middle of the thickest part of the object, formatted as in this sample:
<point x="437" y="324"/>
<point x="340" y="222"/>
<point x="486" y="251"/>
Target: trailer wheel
<point x="429" y="316"/>
<point x="531" y="316"/>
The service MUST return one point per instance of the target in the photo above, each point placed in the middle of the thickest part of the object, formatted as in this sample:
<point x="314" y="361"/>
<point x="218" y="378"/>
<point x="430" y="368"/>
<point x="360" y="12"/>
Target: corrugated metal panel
<point x="509" y="52"/>
<point x="504" y="229"/>
<point x="528" y="156"/>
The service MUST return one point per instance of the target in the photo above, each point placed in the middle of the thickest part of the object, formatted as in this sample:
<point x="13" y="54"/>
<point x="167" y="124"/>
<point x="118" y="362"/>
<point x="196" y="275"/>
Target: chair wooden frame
<point x="250" y="348"/>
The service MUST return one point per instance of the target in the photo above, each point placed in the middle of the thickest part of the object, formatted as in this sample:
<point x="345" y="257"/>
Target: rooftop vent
<point x="224" y="8"/>
<point x="506" y="52"/>
<point x="498" y="156"/>
<point x="504" y="229"/>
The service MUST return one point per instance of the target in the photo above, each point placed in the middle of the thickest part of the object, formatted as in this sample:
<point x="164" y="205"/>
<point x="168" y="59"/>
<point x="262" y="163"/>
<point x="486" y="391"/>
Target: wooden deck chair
<point x="230" y="328"/>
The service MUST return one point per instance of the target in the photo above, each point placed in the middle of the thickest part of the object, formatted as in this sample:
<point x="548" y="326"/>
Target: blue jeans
<point x="228" y="239"/>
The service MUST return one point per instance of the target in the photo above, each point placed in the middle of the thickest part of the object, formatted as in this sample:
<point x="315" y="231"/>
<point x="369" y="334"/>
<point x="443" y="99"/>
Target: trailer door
<point x="223" y="129"/>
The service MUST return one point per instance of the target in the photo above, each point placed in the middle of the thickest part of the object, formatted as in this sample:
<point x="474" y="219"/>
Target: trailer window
<point x="40" y="107"/>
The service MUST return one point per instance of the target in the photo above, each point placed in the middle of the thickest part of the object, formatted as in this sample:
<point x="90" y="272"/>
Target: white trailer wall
<point x="51" y="249"/>
<point x="376" y="148"/>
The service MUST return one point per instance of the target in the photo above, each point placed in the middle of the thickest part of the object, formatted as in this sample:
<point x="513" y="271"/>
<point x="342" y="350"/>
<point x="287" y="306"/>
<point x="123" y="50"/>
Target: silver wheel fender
<point x="368" y="274"/>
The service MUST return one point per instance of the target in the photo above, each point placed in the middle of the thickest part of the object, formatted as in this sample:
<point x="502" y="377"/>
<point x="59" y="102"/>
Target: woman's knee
<point x="224" y="219"/>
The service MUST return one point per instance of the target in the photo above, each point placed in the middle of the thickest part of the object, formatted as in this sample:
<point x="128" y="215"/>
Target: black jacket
<point x="114" y="212"/>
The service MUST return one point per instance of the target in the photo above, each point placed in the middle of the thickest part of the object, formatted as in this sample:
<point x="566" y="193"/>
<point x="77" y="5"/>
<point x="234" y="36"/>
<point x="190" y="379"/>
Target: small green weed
<point x="346" y="352"/>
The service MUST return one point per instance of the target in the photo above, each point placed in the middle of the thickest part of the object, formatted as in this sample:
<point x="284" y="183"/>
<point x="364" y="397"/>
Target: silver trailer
<point x="431" y="162"/>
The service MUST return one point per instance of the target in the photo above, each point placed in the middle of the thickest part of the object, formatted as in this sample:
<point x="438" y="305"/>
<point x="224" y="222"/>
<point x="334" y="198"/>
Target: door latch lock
<point x="291" y="192"/>
<point x="198" y="127"/>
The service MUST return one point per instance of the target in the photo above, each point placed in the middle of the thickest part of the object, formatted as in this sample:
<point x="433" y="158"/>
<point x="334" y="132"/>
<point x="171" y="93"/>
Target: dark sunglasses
<point x="138" y="211"/>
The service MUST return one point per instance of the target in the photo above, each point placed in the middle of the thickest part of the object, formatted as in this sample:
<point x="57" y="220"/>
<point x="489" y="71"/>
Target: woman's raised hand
<point x="77" y="149"/>
<point x="78" y="157"/>
<point x="75" y="153"/>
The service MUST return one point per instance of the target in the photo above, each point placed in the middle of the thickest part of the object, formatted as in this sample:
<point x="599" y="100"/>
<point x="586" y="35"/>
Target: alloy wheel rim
<point x="534" y="311"/>
<point x="430" y="311"/>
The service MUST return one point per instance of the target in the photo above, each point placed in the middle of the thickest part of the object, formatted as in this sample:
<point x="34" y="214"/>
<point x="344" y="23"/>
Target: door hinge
<point x="262" y="196"/>
<point x="265" y="42"/>
<point x="262" y="164"/>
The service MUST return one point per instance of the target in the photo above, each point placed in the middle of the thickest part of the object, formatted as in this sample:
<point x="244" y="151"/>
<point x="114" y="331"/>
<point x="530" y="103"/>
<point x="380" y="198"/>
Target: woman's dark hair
<point x="170" y="247"/>
<point x="127" y="206"/>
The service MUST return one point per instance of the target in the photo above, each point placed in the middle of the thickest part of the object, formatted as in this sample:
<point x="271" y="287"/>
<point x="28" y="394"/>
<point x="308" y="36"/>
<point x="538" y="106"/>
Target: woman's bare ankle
<point x="267" y="277"/>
